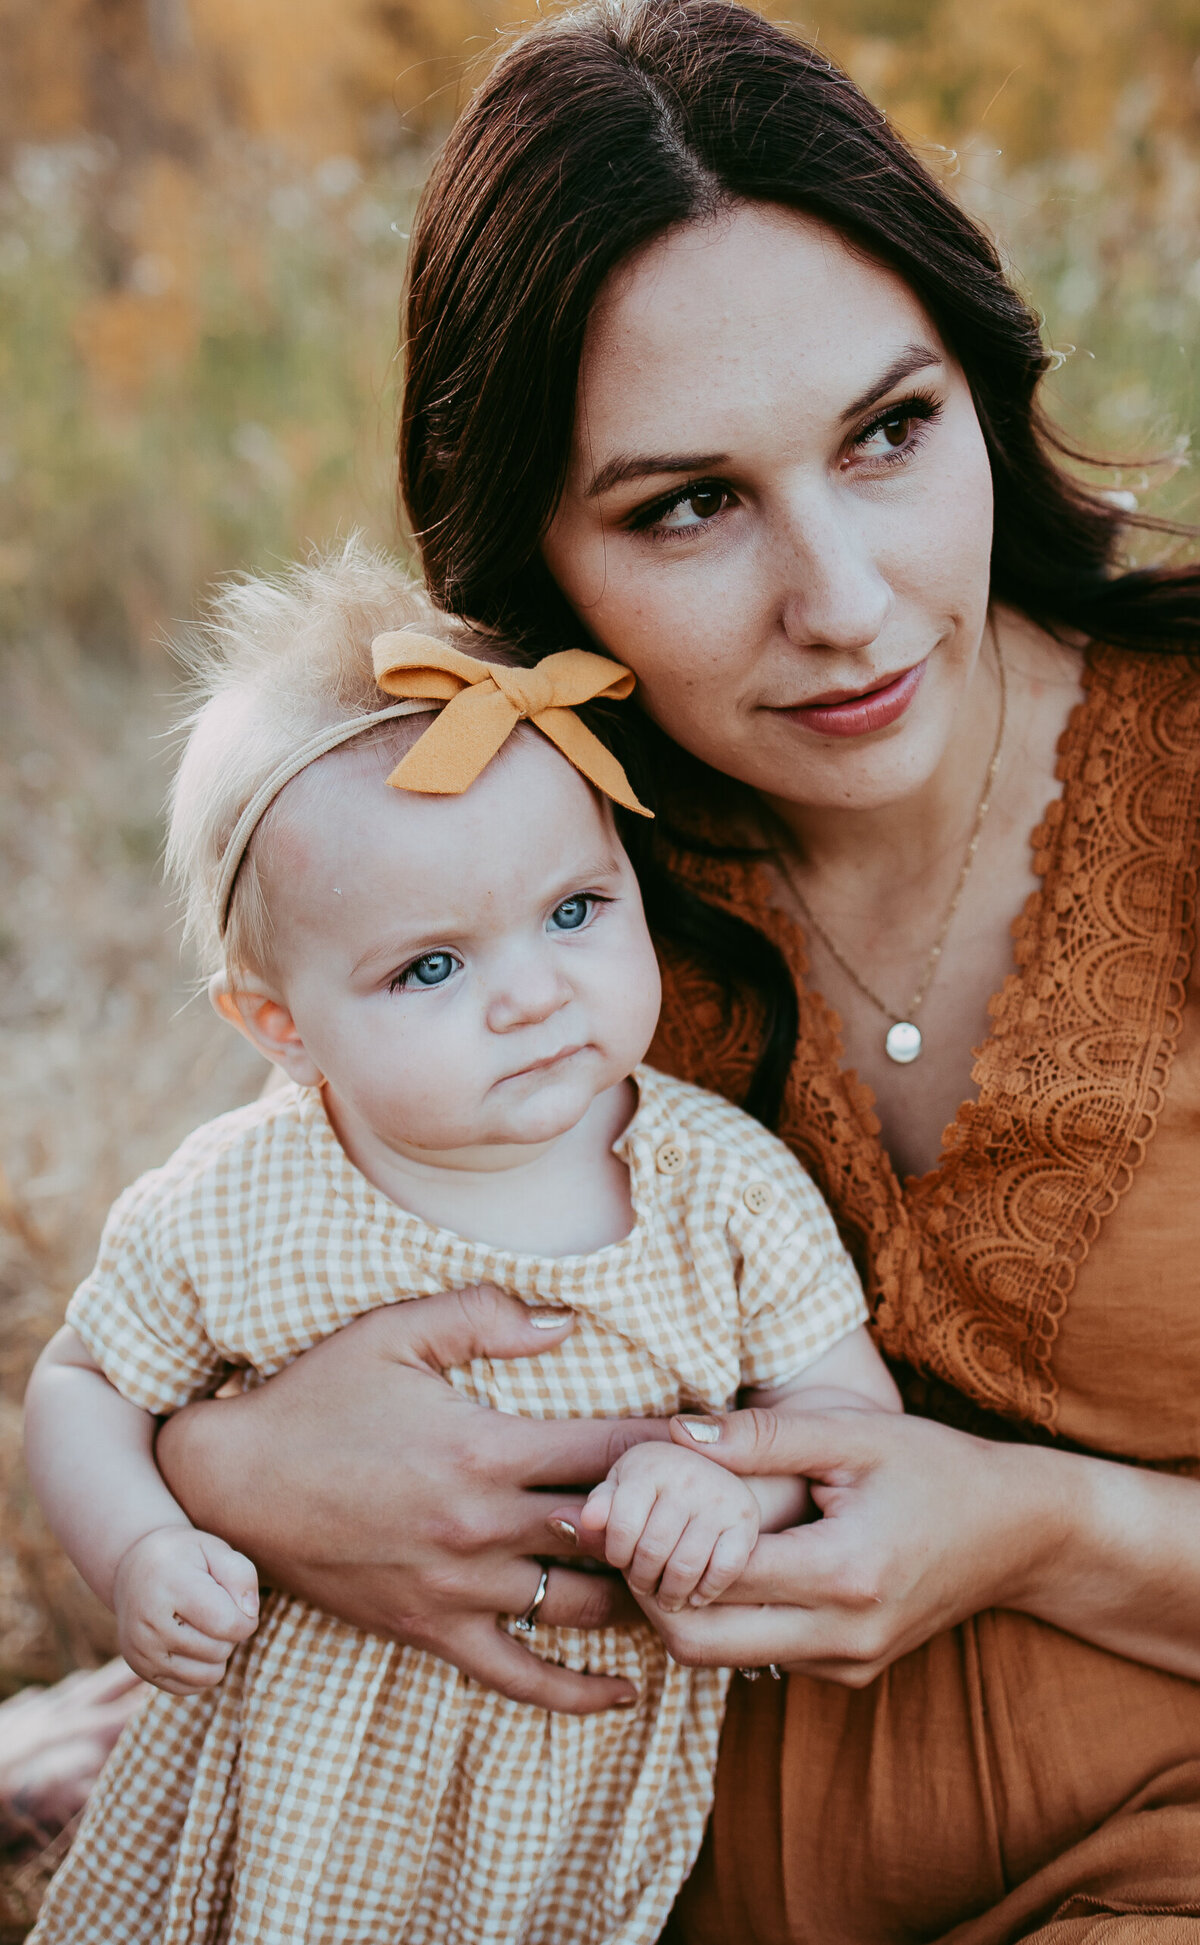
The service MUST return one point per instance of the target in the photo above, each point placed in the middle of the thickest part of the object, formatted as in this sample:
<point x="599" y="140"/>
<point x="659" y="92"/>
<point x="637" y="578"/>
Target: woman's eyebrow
<point x="913" y="358"/>
<point x="631" y="466"/>
<point x="627" y="466"/>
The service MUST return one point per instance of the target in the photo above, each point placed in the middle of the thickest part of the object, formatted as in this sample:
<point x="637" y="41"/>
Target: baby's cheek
<point x="425" y="1080"/>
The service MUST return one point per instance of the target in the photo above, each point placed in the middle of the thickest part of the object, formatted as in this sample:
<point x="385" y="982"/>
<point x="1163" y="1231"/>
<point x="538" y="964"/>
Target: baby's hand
<point x="675" y="1524"/>
<point x="184" y="1600"/>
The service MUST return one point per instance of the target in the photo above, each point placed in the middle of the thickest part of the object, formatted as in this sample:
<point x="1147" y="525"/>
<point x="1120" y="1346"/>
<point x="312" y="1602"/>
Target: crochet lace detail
<point x="970" y="1268"/>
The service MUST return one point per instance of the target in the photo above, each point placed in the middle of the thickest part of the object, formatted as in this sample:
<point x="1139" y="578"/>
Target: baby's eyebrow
<point x="403" y="946"/>
<point x="605" y="867"/>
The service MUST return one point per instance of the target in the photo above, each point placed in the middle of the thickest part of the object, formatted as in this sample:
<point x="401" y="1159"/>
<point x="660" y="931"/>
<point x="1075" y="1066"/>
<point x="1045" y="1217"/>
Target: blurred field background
<point x="203" y="210"/>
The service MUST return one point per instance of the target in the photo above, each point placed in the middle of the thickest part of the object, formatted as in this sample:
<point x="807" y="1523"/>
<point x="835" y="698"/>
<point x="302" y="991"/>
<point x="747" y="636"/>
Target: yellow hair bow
<point x="484" y="703"/>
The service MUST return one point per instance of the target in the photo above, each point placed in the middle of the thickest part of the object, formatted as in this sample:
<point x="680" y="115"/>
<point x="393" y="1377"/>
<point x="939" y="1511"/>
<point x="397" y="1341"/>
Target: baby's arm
<point x="183" y="1599"/>
<point x="682" y="1528"/>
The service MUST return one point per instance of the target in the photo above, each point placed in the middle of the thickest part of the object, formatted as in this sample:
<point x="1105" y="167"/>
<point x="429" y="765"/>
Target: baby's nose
<point x="533" y="994"/>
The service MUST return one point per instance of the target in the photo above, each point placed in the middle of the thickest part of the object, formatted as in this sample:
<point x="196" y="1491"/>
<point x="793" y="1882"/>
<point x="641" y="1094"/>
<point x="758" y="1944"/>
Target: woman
<point x="705" y="369"/>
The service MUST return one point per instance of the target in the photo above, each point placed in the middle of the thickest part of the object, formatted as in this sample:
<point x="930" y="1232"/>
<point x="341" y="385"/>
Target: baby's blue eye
<point x="432" y="970"/>
<point x="572" y="913"/>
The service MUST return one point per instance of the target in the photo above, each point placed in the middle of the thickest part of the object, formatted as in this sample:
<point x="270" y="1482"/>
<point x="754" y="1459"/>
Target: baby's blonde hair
<point x="276" y="659"/>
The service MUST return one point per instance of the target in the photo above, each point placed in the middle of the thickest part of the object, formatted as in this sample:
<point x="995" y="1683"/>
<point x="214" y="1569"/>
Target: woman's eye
<point x="898" y="432"/>
<point x="893" y="430"/>
<point x="433" y="969"/>
<point x="693" y="508"/>
<point x="572" y="913"/>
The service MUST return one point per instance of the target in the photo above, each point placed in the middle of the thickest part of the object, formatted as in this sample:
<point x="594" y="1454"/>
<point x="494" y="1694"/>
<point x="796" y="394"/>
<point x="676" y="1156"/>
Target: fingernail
<point x="670" y="1607"/>
<point x="249" y="1605"/>
<point x="550" y="1319"/>
<point x="704" y="1430"/>
<point x="565" y="1530"/>
<point x="627" y="1701"/>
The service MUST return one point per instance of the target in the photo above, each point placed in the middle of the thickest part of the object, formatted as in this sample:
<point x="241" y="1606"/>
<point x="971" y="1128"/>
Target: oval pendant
<point x="903" y="1042"/>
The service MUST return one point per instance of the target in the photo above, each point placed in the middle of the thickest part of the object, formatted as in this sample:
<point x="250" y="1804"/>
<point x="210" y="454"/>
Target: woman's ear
<point x="267" y="1025"/>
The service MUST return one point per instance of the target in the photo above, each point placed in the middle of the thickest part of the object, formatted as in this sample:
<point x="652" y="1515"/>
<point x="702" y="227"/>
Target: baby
<point x="429" y="922"/>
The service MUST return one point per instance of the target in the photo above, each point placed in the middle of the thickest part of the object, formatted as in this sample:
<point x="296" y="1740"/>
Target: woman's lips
<point x="859" y="715"/>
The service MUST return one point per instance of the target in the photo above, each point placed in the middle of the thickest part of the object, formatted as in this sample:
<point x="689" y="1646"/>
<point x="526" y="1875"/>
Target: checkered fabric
<point x="342" y="1790"/>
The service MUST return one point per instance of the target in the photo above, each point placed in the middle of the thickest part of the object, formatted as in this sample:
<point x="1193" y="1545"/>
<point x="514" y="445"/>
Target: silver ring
<point x="753" y="1674"/>
<point x="525" y="1623"/>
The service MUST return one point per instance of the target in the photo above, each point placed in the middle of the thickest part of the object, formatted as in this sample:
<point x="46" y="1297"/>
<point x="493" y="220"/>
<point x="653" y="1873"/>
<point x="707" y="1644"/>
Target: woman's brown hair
<point x="596" y="132"/>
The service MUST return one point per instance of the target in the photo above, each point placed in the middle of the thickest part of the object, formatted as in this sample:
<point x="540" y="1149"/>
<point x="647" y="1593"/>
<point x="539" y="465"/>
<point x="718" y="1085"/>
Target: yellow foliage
<point x="126" y="341"/>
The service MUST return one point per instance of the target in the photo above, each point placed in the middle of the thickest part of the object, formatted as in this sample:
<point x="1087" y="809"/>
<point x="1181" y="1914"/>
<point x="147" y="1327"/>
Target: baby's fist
<point x="184" y="1601"/>
<point x="679" y="1527"/>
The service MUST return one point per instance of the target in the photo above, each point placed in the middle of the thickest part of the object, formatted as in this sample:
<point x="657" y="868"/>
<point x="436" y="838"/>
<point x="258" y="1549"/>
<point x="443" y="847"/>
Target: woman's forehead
<point x="756" y="302"/>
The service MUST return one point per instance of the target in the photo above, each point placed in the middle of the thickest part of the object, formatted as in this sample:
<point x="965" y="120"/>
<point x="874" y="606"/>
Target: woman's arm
<point x="923" y="1526"/>
<point x="361" y="1481"/>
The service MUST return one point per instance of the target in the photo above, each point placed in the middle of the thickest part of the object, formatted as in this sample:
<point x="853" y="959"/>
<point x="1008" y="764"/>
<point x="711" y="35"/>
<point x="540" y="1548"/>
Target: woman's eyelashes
<point x="423" y="974"/>
<point x="683" y="511"/>
<point x="891" y="438"/>
<point x="895" y="434"/>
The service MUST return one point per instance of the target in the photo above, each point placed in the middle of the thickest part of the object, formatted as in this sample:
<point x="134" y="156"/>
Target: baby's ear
<point x="266" y="1024"/>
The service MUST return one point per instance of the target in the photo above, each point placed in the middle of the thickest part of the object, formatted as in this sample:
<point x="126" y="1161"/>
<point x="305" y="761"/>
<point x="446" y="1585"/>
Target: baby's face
<point x="463" y="971"/>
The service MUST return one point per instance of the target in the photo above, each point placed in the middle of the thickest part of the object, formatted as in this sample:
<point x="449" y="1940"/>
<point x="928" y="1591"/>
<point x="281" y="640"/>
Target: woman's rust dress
<point x="1006" y="1781"/>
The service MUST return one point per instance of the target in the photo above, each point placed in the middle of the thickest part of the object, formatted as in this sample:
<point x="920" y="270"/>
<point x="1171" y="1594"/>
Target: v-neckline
<point x="791" y="937"/>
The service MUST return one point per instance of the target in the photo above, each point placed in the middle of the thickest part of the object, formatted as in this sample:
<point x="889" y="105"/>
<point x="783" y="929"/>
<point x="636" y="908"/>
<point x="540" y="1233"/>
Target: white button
<point x="758" y="1198"/>
<point x="670" y="1158"/>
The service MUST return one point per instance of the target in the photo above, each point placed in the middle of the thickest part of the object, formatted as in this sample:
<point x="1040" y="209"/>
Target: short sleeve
<point x="799" y="1292"/>
<point x="138" y="1314"/>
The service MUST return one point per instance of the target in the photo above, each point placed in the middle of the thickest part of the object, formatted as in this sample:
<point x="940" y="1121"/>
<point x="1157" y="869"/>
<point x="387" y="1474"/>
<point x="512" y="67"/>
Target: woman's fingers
<point x="96" y="1687"/>
<point x="575" y="1451"/>
<point x="586" y="1601"/>
<point x="806" y="1567"/>
<point x="462" y="1325"/>
<point x="563" y="1532"/>
<point x="750" y="1637"/>
<point x="831" y="1445"/>
<point x="484" y="1652"/>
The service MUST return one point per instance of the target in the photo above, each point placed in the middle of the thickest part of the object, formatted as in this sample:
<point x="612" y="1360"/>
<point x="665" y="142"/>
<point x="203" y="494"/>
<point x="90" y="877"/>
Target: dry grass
<point x="107" y="1059"/>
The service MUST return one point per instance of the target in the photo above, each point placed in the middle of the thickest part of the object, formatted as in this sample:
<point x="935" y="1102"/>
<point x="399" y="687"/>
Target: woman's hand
<point x="52" y="1743"/>
<point x="920" y="1527"/>
<point x="361" y="1481"/>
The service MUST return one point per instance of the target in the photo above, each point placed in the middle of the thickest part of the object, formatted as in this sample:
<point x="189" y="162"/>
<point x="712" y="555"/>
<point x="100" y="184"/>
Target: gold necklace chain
<point x="903" y="1042"/>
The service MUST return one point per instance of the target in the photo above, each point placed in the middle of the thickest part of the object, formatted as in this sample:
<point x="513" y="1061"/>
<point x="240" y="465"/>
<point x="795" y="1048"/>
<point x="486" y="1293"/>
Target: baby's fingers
<point x="173" y="1656"/>
<point x="631" y="1507"/>
<point x="232" y="1571"/>
<point x="661" y="1537"/>
<point x="184" y="1677"/>
<point x="690" y="1560"/>
<point x="202" y="1603"/>
<point x="727" y="1564"/>
<point x="593" y="1516"/>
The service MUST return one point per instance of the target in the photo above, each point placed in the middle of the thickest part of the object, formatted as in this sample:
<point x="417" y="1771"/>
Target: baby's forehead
<point x="529" y="806"/>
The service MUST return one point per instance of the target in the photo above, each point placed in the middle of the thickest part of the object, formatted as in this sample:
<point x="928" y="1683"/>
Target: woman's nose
<point x="530" y="988"/>
<point x="834" y="594"/>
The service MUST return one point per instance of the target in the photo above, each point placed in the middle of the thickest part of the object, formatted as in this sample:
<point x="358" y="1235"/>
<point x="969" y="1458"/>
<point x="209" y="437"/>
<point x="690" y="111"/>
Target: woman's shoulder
<point x="1158" y="690"/>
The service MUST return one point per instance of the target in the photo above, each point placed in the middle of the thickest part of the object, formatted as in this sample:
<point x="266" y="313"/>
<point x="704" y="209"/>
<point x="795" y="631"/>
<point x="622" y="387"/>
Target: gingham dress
<point x="340" y="1789"/>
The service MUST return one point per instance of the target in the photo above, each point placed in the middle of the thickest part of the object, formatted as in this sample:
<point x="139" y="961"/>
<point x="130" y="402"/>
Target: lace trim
<point x="970" y="1268"/>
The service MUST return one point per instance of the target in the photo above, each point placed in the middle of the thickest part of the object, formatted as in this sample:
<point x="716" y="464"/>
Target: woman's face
<point x="779" y="509"/>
